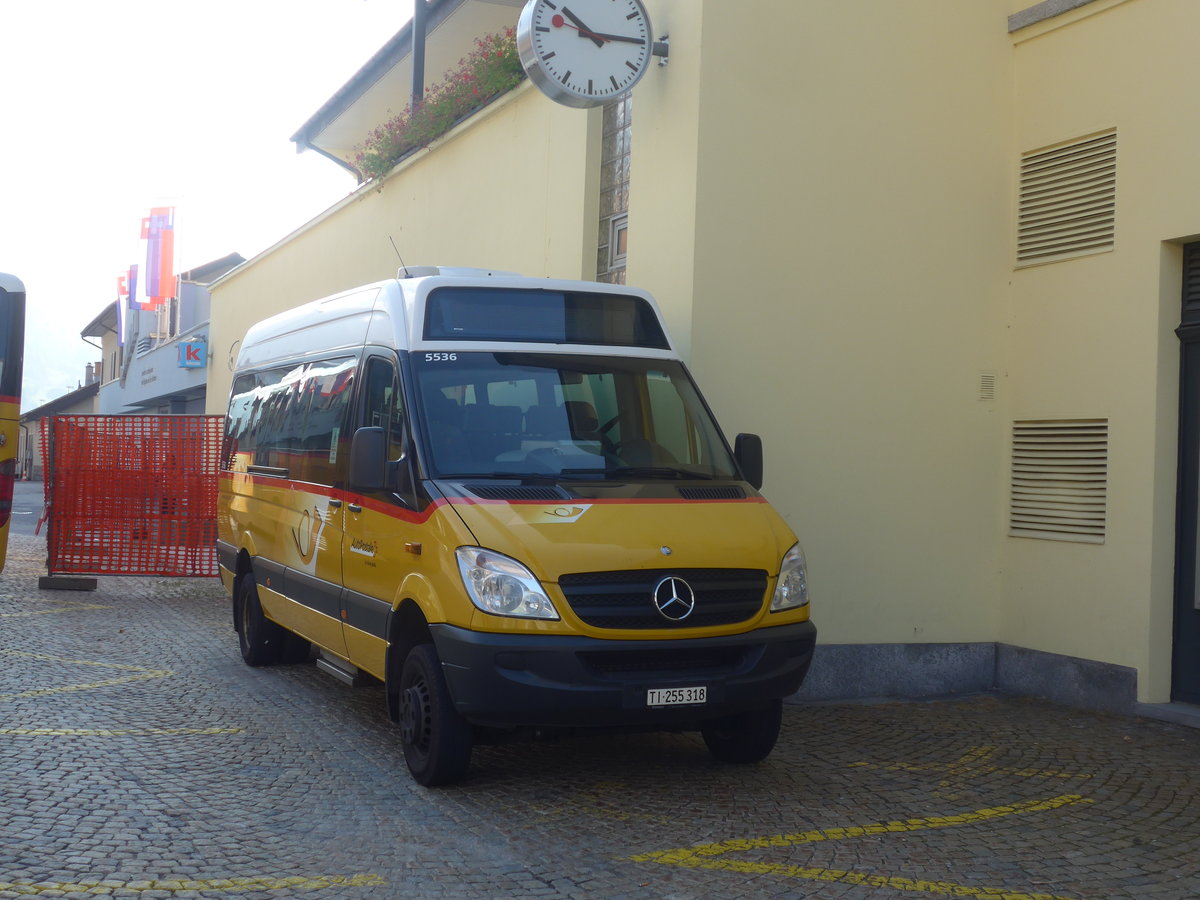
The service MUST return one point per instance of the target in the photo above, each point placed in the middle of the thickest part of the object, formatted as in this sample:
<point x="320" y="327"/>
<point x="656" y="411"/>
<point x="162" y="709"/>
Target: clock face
<point x="584" y="52"/>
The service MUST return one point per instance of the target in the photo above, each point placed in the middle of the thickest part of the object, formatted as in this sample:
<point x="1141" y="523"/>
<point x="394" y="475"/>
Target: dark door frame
<point x="1185" y="647"/>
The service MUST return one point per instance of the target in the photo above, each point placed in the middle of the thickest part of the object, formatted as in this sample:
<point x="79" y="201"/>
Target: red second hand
<point x="559" y="22"/>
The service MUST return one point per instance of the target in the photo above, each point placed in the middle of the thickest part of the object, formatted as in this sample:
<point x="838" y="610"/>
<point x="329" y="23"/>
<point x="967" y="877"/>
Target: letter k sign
<point x="192" y="355"/>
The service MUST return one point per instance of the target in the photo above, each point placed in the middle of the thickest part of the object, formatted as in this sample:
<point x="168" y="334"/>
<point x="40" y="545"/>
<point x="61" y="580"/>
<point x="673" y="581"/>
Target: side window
<point x="290" y="418"/>
<point x="283" y="426"/>
<point x="383" y="403"/>
<point x="240" y="438"/>
<point x="327" y="386"/>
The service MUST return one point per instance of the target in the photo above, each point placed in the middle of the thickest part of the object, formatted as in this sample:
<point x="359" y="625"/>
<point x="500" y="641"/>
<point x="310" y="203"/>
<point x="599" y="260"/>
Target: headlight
<point x="502" y="586"/>
<point x="792" y="588"/>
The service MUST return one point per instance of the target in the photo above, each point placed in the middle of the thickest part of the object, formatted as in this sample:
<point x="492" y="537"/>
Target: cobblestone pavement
<point x="141" y="758"/>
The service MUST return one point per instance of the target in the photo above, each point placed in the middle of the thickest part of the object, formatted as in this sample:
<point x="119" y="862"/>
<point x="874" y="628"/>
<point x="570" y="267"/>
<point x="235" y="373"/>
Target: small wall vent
<point x="987" y="386"/>
<point x="1068" y="200"/>
<point x="1059" y="479"/>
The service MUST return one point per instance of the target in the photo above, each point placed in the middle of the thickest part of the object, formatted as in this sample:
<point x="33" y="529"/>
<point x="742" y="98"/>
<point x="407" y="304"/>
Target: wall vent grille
<point x="1068" y="200"/>
<point x="1059" y="479"/>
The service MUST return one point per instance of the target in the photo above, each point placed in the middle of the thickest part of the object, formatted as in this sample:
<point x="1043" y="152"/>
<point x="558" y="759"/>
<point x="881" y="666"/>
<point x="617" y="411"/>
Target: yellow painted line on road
<point x="140" y="674"/>
<point x="706" y="856"/>
<point x="958" y="773"/>
<point x="115" y="732"/>
<point x="107" y="887"/>
<point x="895" y="882"/>
<point x="981" y="770"/>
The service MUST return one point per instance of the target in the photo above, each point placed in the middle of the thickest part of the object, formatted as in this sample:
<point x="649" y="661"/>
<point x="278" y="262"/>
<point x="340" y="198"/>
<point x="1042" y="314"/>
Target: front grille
<point x="626" y="599"/>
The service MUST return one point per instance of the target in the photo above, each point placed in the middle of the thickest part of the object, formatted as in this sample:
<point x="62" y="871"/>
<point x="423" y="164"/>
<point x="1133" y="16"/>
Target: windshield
<point x="560" y="416"/>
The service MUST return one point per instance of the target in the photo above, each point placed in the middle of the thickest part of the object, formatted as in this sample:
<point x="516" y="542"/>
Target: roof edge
<point x="384" y="60"/>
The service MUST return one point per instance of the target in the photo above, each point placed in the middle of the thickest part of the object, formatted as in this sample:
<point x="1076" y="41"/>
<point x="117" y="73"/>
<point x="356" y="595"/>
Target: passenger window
<point x="327" y="385"/>
<point x="290" y="418"/>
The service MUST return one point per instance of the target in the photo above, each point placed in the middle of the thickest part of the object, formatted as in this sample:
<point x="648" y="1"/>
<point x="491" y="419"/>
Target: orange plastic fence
<point x="131" y="495"/>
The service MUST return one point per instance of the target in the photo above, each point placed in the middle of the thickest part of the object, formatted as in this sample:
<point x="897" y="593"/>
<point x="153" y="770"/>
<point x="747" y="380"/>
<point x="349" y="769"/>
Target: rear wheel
<point x="745" y="737"/>
<point x="260" y="640"/>
<point x="436" y="739"/>
<point x="295" y="649"/>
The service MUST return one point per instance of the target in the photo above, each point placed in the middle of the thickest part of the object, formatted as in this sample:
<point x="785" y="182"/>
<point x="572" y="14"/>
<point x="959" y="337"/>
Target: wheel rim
<point x="246" y="619"/>
<point x="415" y="719"/>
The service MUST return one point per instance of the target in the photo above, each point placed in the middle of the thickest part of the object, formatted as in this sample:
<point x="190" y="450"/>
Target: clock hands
<point x="584" y="31"/>
<point x="618" y="37"/>
<point x="599" y="38"/>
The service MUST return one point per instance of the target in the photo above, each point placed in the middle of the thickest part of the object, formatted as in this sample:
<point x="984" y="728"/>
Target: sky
<point x="110" y="108"/>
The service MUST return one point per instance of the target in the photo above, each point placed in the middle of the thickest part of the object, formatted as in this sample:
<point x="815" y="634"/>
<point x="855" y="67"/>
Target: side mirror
<point x="748" y="452"/>
<point x="368" y="459"/>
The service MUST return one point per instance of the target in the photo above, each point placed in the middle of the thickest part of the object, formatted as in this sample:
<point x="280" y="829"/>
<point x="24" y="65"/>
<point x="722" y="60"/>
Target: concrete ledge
<point x="863" y="671"/>
<point x="1066" y="679"/>
<point x="849" y="672"/>
<point x="1039" y="12"/>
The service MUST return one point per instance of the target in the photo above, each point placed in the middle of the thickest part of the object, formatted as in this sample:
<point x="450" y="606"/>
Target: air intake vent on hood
<point x="517" y="492"/>
<point x="717" y="492"/>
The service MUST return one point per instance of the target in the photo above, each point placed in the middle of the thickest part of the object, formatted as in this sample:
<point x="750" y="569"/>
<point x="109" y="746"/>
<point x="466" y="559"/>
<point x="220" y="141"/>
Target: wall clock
<point x="584" y="53"/>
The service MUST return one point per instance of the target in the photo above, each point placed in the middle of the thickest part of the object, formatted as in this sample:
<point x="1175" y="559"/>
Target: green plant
<point x="491" y="69"/>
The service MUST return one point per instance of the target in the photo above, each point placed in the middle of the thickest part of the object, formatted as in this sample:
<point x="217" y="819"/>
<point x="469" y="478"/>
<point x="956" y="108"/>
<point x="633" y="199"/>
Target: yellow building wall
<point x="514" y="188"/>
<point x="663" y="185"/>
<point x="1093" y="337"/>
<point x="833" y="215"/>
<point x="822" y="199"/>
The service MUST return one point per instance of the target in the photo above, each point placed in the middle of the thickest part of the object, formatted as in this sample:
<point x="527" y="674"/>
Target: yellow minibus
<point x="505" y="499"/>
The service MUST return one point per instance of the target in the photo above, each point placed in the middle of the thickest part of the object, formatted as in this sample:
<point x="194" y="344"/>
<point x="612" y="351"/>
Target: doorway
<point x="1185" y="662"/>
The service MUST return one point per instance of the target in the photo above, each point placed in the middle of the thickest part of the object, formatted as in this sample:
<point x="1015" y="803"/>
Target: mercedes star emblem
<point x="674" y="598"/>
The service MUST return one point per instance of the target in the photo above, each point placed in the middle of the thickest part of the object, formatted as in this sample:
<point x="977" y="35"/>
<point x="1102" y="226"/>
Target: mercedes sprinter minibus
<point x="505" y="499"/>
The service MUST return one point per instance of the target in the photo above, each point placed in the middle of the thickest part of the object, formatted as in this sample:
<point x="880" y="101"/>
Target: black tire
<point x="260" y="640"/>
<point x="295" y="649"/>
<point x="746" y="737"/>
<point x="436" y="739"/>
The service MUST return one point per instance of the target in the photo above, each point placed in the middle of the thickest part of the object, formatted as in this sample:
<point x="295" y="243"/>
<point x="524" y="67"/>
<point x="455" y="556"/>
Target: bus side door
<point x="383" y="528"/>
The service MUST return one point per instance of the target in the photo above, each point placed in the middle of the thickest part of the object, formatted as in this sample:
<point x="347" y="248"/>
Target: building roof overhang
<point x="63" y="402"/>
<point x="103" y="324"/>
<point x="383" y="86"/>
<point x="211" y="271"/>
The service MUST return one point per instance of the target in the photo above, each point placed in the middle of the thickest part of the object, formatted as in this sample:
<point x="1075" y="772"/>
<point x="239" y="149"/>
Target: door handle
<point x="335" y="504"/>
<point x="354" y="507"/>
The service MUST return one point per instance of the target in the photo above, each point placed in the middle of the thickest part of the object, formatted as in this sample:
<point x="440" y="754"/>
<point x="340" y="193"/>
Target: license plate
<point x="686" y="696"/>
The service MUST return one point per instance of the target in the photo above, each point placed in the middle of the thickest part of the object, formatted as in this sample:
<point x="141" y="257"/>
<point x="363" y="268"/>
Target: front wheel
<point x="745" y="737"/>
<point x="436" y="739"/>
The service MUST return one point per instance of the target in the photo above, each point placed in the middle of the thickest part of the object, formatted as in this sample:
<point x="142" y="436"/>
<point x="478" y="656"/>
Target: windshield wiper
<point x="658" y="472"/>
<point x="509" y="476"/>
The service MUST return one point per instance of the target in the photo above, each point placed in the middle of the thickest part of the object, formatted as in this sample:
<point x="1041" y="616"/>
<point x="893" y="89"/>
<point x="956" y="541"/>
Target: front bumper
<point x="504" y="680"/>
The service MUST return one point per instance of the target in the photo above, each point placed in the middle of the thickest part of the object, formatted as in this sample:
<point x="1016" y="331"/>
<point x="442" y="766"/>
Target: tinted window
<point x="12" y="342"/>
<point x="290" y="418"/>
<point x="551" y="317"/>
